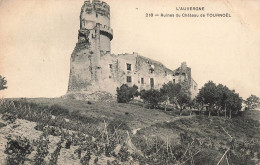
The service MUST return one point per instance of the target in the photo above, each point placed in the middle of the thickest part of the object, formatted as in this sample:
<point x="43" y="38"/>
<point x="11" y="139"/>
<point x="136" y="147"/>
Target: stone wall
<point x="133" y="69"/>
<point x="130" y="69"/>
<point x="194" y="89"/>
<point x="183" y="73"/>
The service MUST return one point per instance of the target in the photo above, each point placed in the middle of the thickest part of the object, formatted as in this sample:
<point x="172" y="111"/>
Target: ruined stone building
<point x="93" y="68"/>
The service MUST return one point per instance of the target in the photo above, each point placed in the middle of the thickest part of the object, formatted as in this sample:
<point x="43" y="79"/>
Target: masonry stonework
<point x="94" y="69"/>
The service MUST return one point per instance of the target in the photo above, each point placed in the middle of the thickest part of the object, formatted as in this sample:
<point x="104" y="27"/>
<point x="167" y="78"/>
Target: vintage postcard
<point x="130" y="82"/>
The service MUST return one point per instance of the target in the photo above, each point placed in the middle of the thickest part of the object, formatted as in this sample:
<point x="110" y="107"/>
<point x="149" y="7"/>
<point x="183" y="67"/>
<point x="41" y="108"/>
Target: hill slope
<point x="103" y="133"/>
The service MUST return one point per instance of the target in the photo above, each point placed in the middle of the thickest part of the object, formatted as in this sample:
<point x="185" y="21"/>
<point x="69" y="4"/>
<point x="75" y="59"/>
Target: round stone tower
<point x="97" y="14"/>
<point x="94" y="38"/>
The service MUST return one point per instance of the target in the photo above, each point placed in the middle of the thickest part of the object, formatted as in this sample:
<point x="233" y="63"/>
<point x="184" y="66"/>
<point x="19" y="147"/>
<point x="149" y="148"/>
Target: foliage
<point x="2" y="125"/>
<point x="219" y="97"/>
<point x="106" y="138"/>
<point x="57" y="110"/>
<point x="17" y="150"/>
<point x="85" y="160"/>
<point x="10" y="118"/>
<point x="55" y="154"/>
<point x="125" y="93"/>
<point x="207" y="94"/>
<point x="178" y="94"/>
<point x="171" y="90"/>
<point x="42" y="150"/>
<point x="123" y="154"/>
<point x="3" y="83"/>
<point x="234" y="103"/>
<point x="117" y="124"/>
<point x="193" y="104"/>
<point x="183" y="98"/>
<point x="152" y="97"/>
<point x="210" y="141"/>
<point x="252" y="102"/>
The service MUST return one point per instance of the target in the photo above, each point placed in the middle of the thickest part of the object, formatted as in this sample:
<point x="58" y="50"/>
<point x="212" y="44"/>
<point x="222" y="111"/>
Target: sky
<point x="38" y="37"/>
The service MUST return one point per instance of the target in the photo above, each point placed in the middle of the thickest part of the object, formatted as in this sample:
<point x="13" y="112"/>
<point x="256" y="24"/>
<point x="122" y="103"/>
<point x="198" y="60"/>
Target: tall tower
<point x="97" y="14"/>
<point x="94" y="39"/>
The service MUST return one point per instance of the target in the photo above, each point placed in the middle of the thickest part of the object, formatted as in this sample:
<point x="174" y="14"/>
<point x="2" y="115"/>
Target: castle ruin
<point x="94" y="69"/>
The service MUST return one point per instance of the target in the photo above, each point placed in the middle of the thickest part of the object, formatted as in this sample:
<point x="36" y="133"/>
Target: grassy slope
<point x="213" y="135"/>
<point x="211" y="132"/>
<point x="153" y="122"/>
<point x="135" y="116"/>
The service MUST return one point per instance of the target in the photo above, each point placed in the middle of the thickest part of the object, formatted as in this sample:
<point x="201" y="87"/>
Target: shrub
<point x="207" y="156"/>
<point x="3" y="83"/>
<point x="57" y="110"/>
<point x="2" y="125"/>
<point x="17" y="149"/>
<point x="123" y="154"/>
<point x="117" y="124"/>
<point x="55" y="154"/>
<point x="85" y="160"/>
<point x="41" y="151"/>
<point x="10" y="118"/>
<point x="125" y="93"/>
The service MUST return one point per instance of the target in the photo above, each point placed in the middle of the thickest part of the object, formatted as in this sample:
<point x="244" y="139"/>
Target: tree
<point x="252" y="102"/>
<point x="233" y="102"/>
<point x="178" y="94"/>
<point x="125" y="93"/>
<point x="152" y="97"/>
<point x="221" y="98"/>
<point x="193" y="105"/>
<point x="208" y="95"/>
<point x="184" y="96"/>
<point x="3" y="83"/>
<point x="170" y="92"/>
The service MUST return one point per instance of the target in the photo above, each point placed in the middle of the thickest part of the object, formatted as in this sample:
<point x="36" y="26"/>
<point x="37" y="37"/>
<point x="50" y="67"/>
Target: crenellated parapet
<point x="102" y="8"/>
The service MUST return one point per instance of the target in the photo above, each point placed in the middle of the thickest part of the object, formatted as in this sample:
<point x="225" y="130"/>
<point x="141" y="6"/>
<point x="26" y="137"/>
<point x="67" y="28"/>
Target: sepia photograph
<point x="128" y="82"/>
